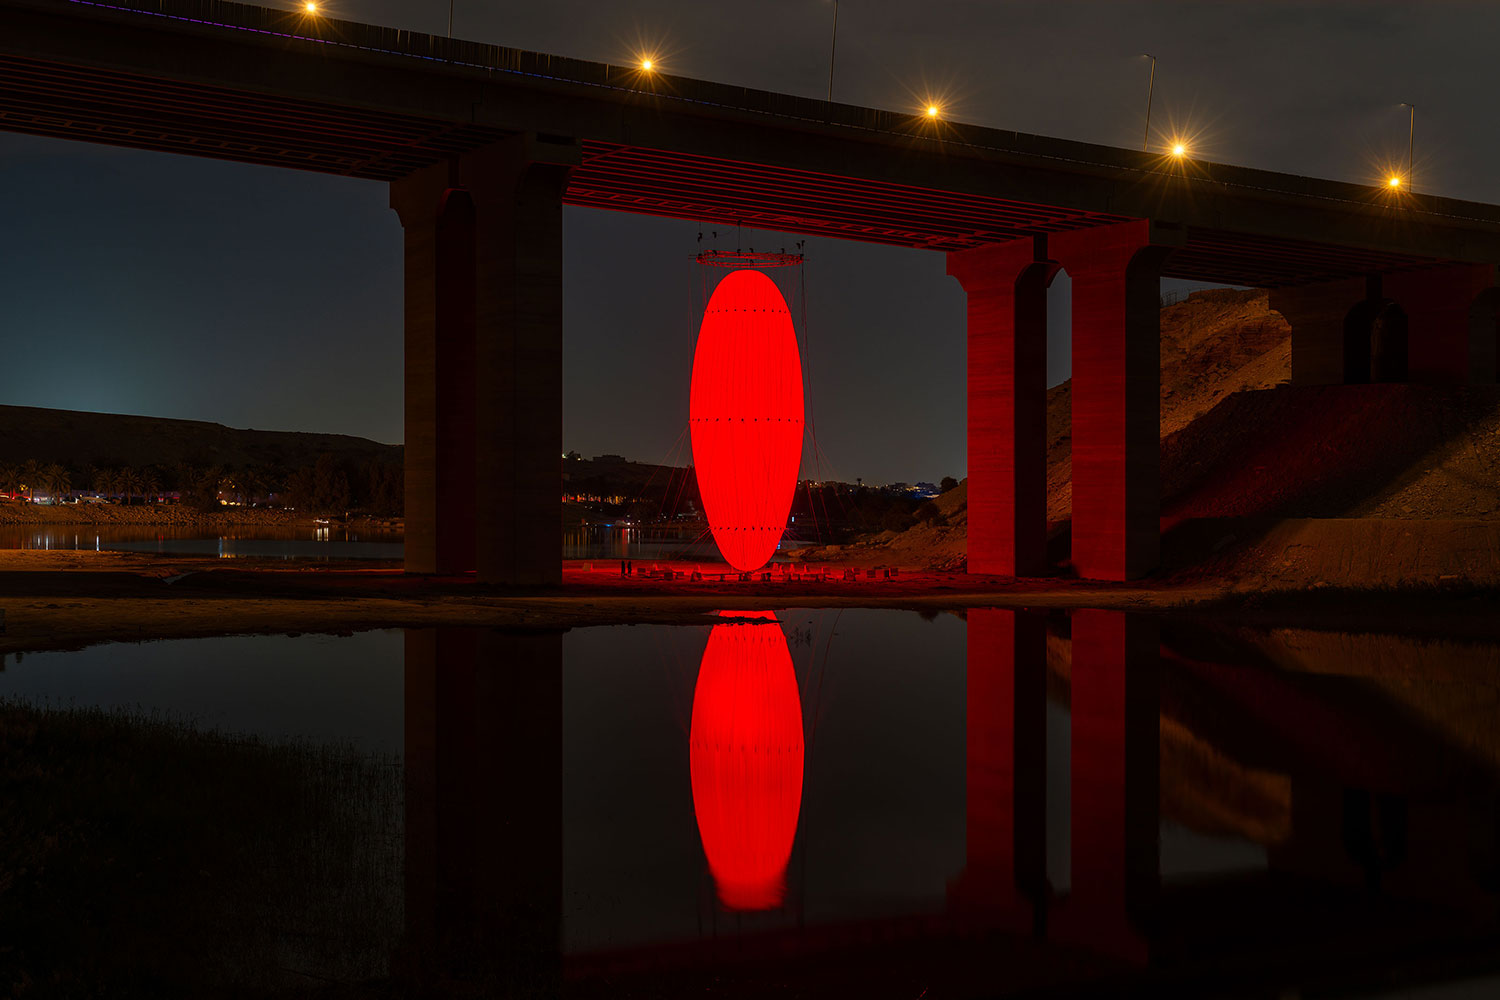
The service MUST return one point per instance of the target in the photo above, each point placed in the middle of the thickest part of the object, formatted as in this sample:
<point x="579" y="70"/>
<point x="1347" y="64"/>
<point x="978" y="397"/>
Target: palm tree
<point x="10" y="478"/>
<point x="55" y="480"/>
<point x="208" y="484"/>
<point x="31" y="471"/>
<point x="130" y="483"/>
<point x="252" y="483"/>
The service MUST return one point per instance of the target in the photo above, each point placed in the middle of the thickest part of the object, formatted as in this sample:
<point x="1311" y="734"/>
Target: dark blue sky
<point x="143" y="283"/>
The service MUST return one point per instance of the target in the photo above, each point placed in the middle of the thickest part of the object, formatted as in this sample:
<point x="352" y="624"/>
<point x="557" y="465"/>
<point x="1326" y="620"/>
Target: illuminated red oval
<point x="745" y="417"/>
<point x="745" y="753"/>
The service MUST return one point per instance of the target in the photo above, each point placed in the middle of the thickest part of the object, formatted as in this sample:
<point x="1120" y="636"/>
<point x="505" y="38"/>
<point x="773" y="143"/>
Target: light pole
<point x="1411" y="141"/>
<point x="833" y="49"/>
<point x="450" y="18"/>
<point x="1150" y="90"/>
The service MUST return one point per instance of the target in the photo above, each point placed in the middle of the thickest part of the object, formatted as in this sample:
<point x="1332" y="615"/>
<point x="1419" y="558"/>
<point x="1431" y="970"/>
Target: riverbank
<point x="169" y="515"/>
<point x="71" y="599"/>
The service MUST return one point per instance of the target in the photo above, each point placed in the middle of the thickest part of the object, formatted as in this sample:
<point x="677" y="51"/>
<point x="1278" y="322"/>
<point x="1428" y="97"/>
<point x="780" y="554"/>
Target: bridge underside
<point x="119" y="108"/>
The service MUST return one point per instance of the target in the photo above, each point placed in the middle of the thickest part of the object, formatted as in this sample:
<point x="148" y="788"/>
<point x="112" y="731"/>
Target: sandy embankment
<point x="1267" y="486"/>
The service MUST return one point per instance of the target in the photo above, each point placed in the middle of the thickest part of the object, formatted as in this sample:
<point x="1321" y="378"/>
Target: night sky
<point x="144" y="283"/>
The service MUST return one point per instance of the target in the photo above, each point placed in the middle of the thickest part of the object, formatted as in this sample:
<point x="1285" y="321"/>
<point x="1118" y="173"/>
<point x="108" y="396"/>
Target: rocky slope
<point x="1245" y="456"/>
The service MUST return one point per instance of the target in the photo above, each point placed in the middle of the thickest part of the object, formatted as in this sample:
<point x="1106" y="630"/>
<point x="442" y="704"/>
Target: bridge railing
<point x="296" y="25"/>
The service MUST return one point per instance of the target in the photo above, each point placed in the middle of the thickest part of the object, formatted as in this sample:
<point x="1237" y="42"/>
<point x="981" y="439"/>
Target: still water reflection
<point x="812" y="803"/>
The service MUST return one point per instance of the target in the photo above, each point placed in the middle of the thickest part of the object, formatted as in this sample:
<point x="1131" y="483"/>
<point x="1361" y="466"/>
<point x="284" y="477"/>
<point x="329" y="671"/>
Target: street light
<point x="1179" y="149"/>
<point x="1411" y="138"/>
<point x="933" y="110"/>
<point x="646" y="65"/>
<point x="310" y="7"/>
<point x="833" y="49"/>
<point x="1150" y="90"/>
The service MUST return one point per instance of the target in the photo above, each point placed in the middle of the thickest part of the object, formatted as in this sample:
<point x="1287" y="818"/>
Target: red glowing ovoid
<point x="745" y="416"/>
<point x="746" y="760"/>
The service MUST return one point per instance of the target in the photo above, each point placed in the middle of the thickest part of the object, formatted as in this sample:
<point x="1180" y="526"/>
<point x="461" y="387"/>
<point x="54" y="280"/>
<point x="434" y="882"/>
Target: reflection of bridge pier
<point x="1115" y="780"/>
<point x="1004" y="879"/>
<point x="483" y="807"/>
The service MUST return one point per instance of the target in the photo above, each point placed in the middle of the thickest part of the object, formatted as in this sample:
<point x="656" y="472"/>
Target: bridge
<point x="482" y="146"/>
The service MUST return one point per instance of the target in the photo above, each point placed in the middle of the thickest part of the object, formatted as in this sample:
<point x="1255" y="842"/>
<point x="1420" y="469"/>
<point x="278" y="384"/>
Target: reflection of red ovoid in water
<point x="746" y="760"/>
<point x="745" y="416"/>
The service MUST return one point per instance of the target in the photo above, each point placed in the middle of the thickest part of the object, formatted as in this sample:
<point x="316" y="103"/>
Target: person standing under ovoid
<point x="630" y="567"/>
<point x="622" y="567"/>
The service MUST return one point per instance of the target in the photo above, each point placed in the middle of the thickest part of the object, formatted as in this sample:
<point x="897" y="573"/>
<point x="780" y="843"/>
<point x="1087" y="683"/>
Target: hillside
<point x="1239" y="443"/>
<point x="79" y="440"/>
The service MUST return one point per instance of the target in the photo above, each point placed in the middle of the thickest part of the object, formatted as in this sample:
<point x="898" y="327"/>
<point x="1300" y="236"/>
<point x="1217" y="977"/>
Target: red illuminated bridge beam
<point x="276" y="87"/>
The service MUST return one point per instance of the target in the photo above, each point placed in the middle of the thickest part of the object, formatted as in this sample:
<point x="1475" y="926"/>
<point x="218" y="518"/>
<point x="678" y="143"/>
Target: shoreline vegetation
<point x="175" y="515"/>
<point x="286" y="856"/>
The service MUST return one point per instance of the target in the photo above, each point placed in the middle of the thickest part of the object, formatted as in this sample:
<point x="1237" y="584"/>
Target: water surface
<point x="820" y="803"/>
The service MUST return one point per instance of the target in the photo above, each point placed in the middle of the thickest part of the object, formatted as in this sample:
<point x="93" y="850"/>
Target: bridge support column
<point x="440" y="494"/>
<point x="1006" y="287"/>
<point x="484" y="361"/>
<point x="1116" y="750"/>
<point x="1116" y="273"/>
<point x="1444" y="346"/>
<point x="483" y="827"/>
<point x="1005" y="872"/>
<point x="1316" y="314"/>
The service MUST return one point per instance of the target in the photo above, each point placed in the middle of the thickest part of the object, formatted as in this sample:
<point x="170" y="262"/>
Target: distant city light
<point x="1394" y="182"/>
<point x="932" y="110"/>
<point x="1179" y="149"/>
<point x="311" y="8"/>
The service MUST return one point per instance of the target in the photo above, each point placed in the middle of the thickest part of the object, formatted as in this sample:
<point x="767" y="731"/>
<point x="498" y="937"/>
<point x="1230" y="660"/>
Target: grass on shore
<point x="142" y="857"/>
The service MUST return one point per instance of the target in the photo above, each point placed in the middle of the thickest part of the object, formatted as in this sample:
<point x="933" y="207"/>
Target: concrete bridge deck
<point x="281" y="88"/>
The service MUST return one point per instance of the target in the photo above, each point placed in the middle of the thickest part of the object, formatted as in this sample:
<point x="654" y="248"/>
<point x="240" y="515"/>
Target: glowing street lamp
<point x="310" y="7"/>
<point x="1394" y="182"/>
<point x="933" y="111"/>
<point x="1179" y="149"/>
